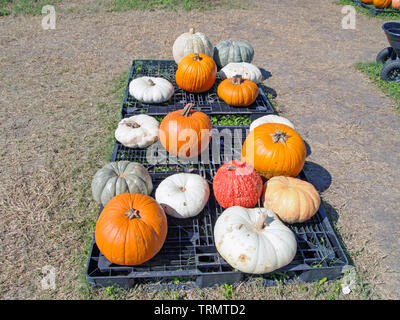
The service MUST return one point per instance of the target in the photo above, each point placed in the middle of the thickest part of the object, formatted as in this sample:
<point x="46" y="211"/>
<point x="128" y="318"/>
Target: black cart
<point x="390" y="56"/>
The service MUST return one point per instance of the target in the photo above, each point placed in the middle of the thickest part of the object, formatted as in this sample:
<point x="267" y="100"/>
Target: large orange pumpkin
<point x="196" y="72"/>
<point x="292" y="199"/>
<point x="396" y="4"/>
<point x="131" y="229"/>
<point x="381" y="4"/>
<point x="238" y="92"/>
<point x="185" y="133"/>
<point x="274" y="149"/>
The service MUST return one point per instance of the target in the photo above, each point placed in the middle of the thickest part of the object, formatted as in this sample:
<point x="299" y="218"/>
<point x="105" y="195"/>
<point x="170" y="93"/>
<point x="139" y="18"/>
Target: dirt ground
<point x="56" y="103"/>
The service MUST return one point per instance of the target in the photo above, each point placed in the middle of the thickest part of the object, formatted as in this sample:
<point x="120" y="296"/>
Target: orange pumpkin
<point x="396" y="4"/>
<point x="367" y="1"/>
<point x="196" y="72"/>
<point x="185" y="133"/>
<point x="292" y="199"/>
<point x="381" y="4"/>
<point x="274" y="149"/>
<point x="131" y="229"/>
<point x="238" y="92"/>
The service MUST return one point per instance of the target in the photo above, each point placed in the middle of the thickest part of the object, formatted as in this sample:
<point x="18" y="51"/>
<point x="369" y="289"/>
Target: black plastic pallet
<point x="207" y="102"/>
<point x="189" y="252"/>
<point x="376" y="11"/>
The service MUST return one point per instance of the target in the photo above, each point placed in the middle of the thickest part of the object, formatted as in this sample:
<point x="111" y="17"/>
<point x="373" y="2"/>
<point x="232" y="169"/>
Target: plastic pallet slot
<point x="207" y="102"/>
<point x="189" y="251"/>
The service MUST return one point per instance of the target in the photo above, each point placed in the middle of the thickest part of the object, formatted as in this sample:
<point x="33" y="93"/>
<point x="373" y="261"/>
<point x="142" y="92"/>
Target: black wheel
<point x="384" y="55"/>
<point x="391" y="71"/>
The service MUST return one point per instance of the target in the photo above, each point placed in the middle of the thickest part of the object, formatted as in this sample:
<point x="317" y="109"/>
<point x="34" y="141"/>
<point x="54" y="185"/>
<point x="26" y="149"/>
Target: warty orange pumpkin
<point x="131" y="229"/>
<point x="196" y="72"/>
<point x="185" y="133"/>
<point x="274" y="149"/>
<point x="237" y="91"/>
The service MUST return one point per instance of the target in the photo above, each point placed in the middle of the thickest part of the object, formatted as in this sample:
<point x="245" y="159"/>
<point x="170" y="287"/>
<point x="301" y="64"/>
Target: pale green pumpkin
<point x="120" y="177"/>
<point x="233" y="51"/>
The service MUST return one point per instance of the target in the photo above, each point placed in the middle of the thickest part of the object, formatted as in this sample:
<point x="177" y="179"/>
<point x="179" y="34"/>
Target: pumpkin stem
<point x="261" y="222"/>
<point x="231" y="167"/>
<point x="237" y="79"/>
<point x="187" y="109"/>
<point x="183" y="189"/>
<point x="191" y="31"/>
<point x="279" y="136"/>
<point x="133" y="125"/>
<point x="151" y="82"/>
<point x="132" y="213"/>
<point x="196" y="57"/>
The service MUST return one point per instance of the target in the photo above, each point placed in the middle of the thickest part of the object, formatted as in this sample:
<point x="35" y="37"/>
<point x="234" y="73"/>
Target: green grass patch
<point x="383" y="15"/>
<point x="392" y="89"/>
<point x="30" y="7"/>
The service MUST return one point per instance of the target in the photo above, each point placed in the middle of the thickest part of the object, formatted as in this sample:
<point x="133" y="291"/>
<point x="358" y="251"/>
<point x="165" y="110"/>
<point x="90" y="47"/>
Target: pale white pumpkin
<point x="254" y="240"/>
<point x="246" y="70"/>
<point x="151" y="89"/>
<point x="183" y="195"/>
<point x="271" y="118"/>
<point x="138" y="131"/>
<point x="191" y="42"/>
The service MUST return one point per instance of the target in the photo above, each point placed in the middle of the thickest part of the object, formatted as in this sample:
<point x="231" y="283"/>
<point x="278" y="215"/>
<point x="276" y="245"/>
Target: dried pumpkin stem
<point x="191" y="31"/>
<point x="231" y="167"/>
<point x="261" y="222"/>
<point x="196" y="57"/>
<point x="237" y="79"/>
<point x="279" y="136"/>
<point x="187" y="109"/>
<point x="183" y="189"/>
<point x="132" y="213"/>
<point x="151" y="83"/>
<point x="133" y="125"/>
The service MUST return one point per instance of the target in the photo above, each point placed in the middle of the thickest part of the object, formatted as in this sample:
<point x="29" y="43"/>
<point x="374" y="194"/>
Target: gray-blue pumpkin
<point x="233" y="51"/>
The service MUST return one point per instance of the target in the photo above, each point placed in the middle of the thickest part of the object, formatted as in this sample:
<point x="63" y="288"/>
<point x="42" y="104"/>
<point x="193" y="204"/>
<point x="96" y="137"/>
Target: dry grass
<point x="58" y="110"/>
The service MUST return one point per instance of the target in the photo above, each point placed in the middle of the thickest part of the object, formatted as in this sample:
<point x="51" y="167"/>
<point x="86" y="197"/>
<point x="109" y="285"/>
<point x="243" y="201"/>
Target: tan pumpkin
<point x="292" y="199"/>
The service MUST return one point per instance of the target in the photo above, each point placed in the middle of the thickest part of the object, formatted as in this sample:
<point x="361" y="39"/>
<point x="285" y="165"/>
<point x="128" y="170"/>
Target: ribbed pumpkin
<point x="237" y="183"/>
<point x="274" y="149"/>
<point x="185" y="133"/>
<point x="196" y="72"/>
<point x="238" y="92"/>
<point x="292" y="199"/>
<point x="381" y="4"/>
<point x="131" y="229"/>
<point x="396" y="4"/>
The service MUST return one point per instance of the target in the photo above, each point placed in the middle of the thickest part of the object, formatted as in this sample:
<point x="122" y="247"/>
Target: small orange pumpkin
<point x="196" y="72"/>
<point x="185" y="133"/>
<point x="292" y="199"/>
<point x="237" y="91"/>
<point x="381" y="4"/>
<point x="274" y="149"/>
<point x="131" y="229"/>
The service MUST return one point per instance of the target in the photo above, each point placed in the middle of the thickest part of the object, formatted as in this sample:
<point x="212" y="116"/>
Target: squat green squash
<point x="233" y="51"/>
<point x="120" y="177"/>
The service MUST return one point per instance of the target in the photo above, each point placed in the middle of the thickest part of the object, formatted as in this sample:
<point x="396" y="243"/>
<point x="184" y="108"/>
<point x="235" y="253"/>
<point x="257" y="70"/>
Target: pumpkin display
<point x="138" y="131"/>
<point x="274" y="149"/>
<point x="185" y="133"/>
<point x="246" y="70"/>
<point x="271" y="118"/>
<point x="120" y="177"/>
<point x="232" y="51"/>
<point x="196" y="72"/>
<point x="183" y="195"/>
<point x="236" y="183"/>
<point x="254" y="240"/>
<point x="131" y="229"/>
<point x="151" y="89"/>
<point x="382" y="4"/>
<point x="292" y="199"/>
<point x="396" y="4"/>
<point x="191" y="42"/>
<point x="238" y="92"/>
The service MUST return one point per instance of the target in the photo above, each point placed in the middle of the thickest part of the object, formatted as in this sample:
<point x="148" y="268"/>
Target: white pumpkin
<point x="254" y="240"/>
<point x="191" y="42"/>
<point x="151" y="89"/>
<point x="271" y="118"/>
<point x="246" y="70"/>
<point x="138" y="131"/>
<point x="183" y="195"/>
